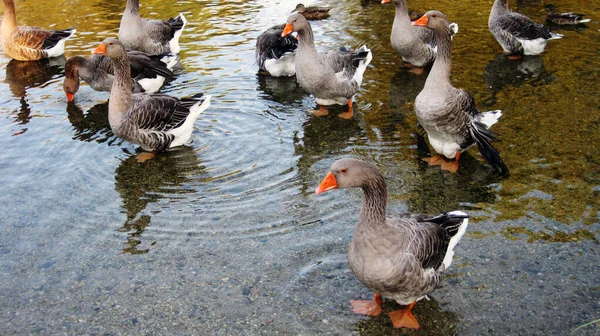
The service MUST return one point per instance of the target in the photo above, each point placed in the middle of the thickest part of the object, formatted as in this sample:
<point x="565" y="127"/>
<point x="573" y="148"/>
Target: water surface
<point x="225" y="236"/>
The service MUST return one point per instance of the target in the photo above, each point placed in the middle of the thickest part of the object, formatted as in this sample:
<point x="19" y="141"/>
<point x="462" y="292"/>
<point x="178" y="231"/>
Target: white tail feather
<point x="59" y="48"/>
<point x="174" y="43"/>
<point x="184" y="132"/>
<point x="454" y="240"/>
<point x="362" y="66"/>
<point x="490" y="117"/>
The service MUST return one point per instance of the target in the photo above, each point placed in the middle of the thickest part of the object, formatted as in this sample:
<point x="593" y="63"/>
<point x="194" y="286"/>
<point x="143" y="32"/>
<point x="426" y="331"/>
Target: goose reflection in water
<point x="22" y="75"/>
<point x="284" y="90"/>
<point x="93" y="125"/>
<point x="502" y="72"/>
<point x="164" y="177"/>
<point x="324" y="137"/>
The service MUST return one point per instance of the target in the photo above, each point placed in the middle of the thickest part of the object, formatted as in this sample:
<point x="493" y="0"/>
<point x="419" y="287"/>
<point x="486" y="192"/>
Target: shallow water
<point x="225" y="236"/>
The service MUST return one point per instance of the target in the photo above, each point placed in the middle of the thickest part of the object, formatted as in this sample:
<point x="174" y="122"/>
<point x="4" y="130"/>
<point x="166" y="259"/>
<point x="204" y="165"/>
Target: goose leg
<point x="348" y="114"/>
<point x="417" y="70"/>
<point x="366" y="307"/>
<point x="435" y="160"/>
<point x="514" y="57"/>
<point x="404" y="318"/>
<point x="451" y="166"/>
<point x="144" y="156"/>
<point x="320" y="112"/>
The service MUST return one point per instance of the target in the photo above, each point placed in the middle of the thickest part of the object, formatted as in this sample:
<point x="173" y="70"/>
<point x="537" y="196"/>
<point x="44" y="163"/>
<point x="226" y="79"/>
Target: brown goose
<point x="148" y="72"/>
<point x="401" y="256"/>
<point x="154" y="37"/>
<point x="416" y="45"/>
<point x="312" y="12"/>
<point x="25" y="43"/>
<point x="565" y="18"/>
<point x="448" y="114"/>
<point x="332" y="78"/>
<point x="154" y="121"/>
<point x="517" y="33"/>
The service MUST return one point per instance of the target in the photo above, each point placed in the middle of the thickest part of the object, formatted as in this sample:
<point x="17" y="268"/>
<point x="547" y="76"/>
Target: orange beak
<point x="421" y="21"/>
<point x="385" y="1"/>
<point x="327" y="184"/>
<point x="70" y="97"/>
<point x="101" y="49"/>
<point x="287" y="30"/>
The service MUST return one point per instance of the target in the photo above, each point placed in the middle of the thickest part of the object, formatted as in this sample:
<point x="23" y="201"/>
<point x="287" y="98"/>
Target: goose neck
<point x="9" y="20"/>
<point x="440" y="72"/>
<point x="372" y="212"/>
<point x="133" y="7"/>
<point x="121" y="91"/>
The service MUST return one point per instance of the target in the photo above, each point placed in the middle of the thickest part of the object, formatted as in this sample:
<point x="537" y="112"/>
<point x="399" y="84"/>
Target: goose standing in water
<point x="448" y="114"/>
<point x="25" y="43"/>
<point x="312" y="12"/>
<point x="275" y="54"/>
<point x="516" y="33"/>
<point x="332" y="78"/>
<point x="401" y="256"/>
<point x="148" y="72"/>
<point x="154" y="37"/>
<point x="567" y="18"/>
<point x="416" y="45"/>
<point x="154" y="121"/>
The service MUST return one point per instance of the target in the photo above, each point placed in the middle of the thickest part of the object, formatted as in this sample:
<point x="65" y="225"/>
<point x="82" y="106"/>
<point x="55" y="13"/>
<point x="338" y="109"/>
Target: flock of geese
<point x="401" y="257"/>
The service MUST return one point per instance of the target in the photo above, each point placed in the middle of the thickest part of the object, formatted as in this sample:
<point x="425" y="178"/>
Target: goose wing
<point x="145" y="66"/>
<point x="270" y="44"/>
<point x="523" y="27"/>
<point x="159" y="112"/>
<point x="431" y="236"/>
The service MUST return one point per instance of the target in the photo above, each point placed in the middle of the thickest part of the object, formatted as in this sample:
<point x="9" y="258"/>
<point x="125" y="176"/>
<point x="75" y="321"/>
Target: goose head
<point x="432" y="20"/>
<point x="110" y="47"/>
<point x="295" y="22"/>
<point x="348" y="173"/>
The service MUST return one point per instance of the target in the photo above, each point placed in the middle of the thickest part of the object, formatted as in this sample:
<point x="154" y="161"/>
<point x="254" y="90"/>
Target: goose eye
<point x="343" y="170"/>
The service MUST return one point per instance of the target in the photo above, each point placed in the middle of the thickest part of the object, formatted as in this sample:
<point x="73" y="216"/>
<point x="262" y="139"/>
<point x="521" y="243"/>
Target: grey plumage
<point x="270" y="45"/>
<point x="449" y="115"/>
<point x="154" y="121"/>
<point x="517" y="33"/>
<point x="401" y="256"/>
<point x="331" y="76"/>
<point x="154" y="37"/>
<point x="98" y="72"/>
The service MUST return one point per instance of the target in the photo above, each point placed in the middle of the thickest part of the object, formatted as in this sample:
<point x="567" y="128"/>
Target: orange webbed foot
<point x="144" y="156"/>
<point x="404" y="318"/>
<point x="366" y="307"/>
<point x="435" y="160"/>
<point x="348" y="114"/>
<point x="450" y="166"/>
<point x="417" y="70"/>
<point x="320" y="112"/>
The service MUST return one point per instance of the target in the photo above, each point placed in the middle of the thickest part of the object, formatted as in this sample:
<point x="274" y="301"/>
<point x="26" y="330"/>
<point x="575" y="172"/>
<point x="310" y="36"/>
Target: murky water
<point x="224" y="235"/>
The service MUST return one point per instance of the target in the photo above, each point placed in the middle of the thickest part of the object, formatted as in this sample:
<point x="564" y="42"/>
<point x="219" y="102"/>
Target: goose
<point x="26" y="43"/>
<point x="563" y="18"/>
<point x="154" y="37"/>
<point x="154" y="121"/>
<point x="401" y="256"/>
<point x="276" y="55"/>
<point x="148" y="72"/>
<point x="516" y="33"/>
<point x="448" y="114"/>
<point x="312" y="12"/>
<point x="332" y="78"/>
<point x="416" y="45"/>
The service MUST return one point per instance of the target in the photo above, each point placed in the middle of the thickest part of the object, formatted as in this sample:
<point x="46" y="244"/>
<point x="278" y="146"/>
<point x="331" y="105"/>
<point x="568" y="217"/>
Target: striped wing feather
<point x="159" y="112"/>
